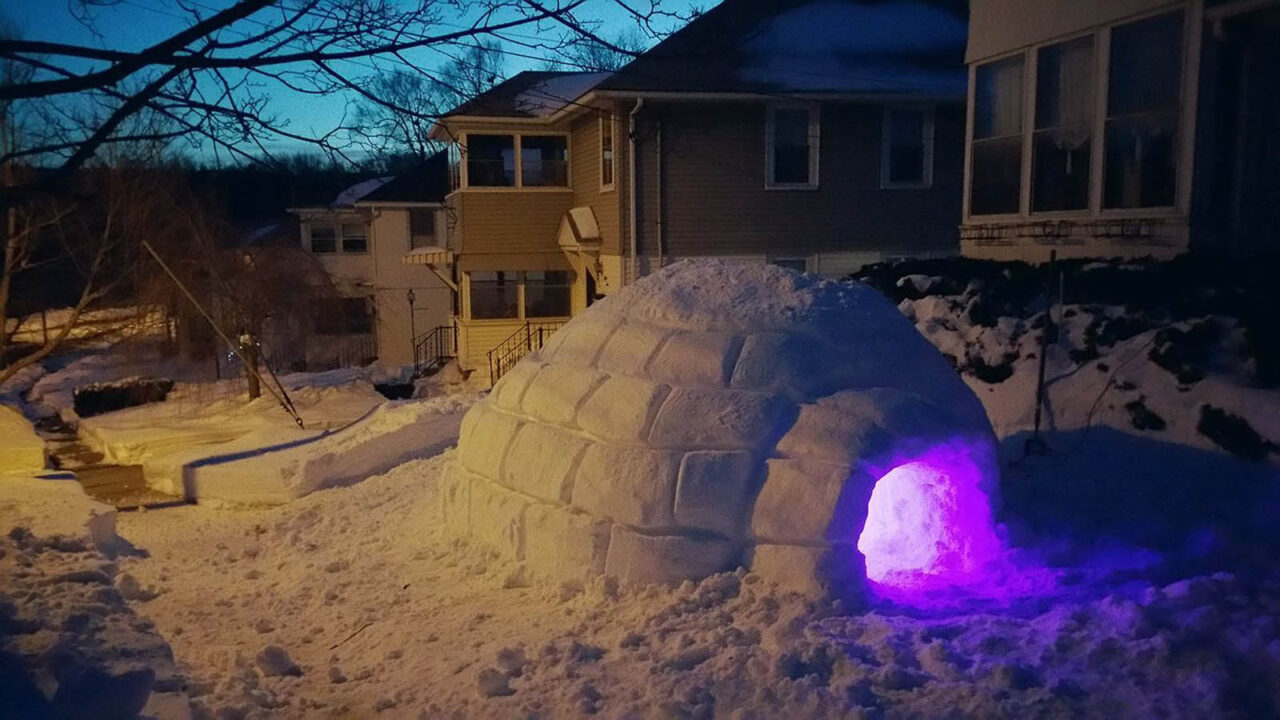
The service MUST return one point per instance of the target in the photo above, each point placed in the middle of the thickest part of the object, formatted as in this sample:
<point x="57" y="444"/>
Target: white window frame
<point x="1189" y="83"/>
<point x="521" y="315"/>
<point x="607" y="120"/>
<point x="342" y="236"/>
<point x="519" y="185"/>
<point x="886" y="147"/>
<point x="308" y="225"/>
<point x="815" y="152"/>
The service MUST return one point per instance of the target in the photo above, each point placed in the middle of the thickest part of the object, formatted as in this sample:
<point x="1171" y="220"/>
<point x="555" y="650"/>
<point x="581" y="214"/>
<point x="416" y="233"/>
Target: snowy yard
<point x="1140" y="577"/>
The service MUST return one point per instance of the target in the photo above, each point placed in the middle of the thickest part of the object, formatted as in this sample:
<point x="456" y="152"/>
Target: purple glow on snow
<point x="929" y="524"/>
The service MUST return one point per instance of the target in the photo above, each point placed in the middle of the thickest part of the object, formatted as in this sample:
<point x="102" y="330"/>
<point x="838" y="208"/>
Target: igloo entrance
<point x="928" y="525"/>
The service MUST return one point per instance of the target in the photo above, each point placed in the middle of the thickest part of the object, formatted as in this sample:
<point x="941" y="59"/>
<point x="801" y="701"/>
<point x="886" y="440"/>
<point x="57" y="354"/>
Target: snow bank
<point x="249" y="471"/>
<point x="54" y="504"/>
<point x="719" y="413"/>
<point x="21" y="449"/>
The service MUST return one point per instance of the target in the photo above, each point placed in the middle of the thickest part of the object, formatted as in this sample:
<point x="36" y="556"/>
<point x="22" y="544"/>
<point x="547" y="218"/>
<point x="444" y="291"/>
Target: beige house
<point x="817" y="134"/>
<point x="361" y="240"/>
<point x="1122" y="128"/>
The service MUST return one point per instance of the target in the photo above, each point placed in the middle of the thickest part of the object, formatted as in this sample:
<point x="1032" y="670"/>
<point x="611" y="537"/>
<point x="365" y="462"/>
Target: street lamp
<point x="413" y="331"/>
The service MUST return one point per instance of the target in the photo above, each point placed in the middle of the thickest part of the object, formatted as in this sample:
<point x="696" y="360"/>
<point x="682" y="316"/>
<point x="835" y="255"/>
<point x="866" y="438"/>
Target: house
<point x="1122" y="128"/>
<point x="817" y="134"/>
<point x="385" y="305"/>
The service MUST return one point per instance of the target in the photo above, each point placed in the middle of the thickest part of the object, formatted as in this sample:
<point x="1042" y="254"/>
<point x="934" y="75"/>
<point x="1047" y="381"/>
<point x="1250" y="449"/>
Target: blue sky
<point x="134" y="24"/>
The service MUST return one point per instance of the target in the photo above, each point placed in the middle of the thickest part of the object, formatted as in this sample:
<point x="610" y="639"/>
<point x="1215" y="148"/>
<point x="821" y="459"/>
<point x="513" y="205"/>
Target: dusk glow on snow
<point x="929" y="524"/>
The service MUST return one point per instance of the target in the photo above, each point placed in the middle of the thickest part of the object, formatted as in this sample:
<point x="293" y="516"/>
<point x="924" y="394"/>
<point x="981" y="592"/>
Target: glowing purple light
<point x="929" y="523"/>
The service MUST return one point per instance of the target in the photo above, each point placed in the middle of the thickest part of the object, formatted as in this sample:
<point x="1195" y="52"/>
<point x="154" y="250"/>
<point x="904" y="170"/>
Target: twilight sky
<point x="134" y="24"/>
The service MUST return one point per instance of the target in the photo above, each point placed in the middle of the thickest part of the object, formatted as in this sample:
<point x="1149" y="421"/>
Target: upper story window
<point x="514" y="161"/>
<point x="323" y="238"/>
<point x="606" y="152"/>
<point x="1143" y="88"/>
<point x="455" y="166"/>
<point x="996" y="155"/>
<point x="791" y="146"/>
<point x="1064" y="111"/>
<point x="544" y="160"/>
<point x="906" y="153"/>
<point x="422" y="228"/>
<point x="355" y="237"/>
<point x="491" y="160"/>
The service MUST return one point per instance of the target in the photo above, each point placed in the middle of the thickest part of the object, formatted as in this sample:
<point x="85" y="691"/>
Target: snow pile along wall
<point x="21" y="449"/>
<point x="717" y="414"/>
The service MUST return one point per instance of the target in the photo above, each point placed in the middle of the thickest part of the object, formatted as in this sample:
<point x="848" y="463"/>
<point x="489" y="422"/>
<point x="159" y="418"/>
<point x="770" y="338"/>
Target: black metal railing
<point x="434" y="349"/>
<point x="527" y="339"/>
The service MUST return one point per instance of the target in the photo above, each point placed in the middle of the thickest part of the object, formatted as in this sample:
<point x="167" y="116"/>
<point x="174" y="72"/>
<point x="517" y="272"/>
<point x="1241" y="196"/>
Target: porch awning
<point x="430" y="255"/>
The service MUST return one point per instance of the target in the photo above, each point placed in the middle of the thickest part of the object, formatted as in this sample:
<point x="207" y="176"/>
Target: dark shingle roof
<point x="530" y="94"/>
<point x="913" y="47"/>
<point x="428" y="182"/>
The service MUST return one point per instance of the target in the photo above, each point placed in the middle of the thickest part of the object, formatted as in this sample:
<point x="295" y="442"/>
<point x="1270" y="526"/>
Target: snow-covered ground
<point x="1156" y="593"/>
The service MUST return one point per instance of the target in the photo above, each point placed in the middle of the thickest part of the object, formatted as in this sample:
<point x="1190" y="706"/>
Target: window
<point x="996" y="161"/>
<point x="422" y="228"/>
<point x="544" y="161"/>
<point x="546" y="293"/>
<point x="606" y="152"/>
<point x="1144" y="82"/>
<point x="494" y="295"/>
<point x="906" y="153"/>
<point x="323" y="239"/>
<point x="1060" y="147"/>
<point x="491" y="160"/>
<point x="355" y="238"/>
<point x="344" y="316"/>
<point x="791" y="147"/>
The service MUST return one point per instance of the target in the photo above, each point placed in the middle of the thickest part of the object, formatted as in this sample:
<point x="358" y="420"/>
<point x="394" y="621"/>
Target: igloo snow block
<point x="716" y="413"/>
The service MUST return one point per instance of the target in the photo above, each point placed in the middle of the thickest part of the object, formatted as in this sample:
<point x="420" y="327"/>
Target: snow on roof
<point x="553" y="94"/>
<point x="348" y="197"/>
<point x="903" y="47"/>
<point x="837" y="45"/>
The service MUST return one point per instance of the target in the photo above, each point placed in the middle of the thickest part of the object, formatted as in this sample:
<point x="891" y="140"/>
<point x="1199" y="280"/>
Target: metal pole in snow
<point x="1035" y="445"/>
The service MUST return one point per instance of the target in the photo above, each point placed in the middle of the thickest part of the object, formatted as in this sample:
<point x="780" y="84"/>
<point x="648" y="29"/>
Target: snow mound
<point x="717" y="414"/>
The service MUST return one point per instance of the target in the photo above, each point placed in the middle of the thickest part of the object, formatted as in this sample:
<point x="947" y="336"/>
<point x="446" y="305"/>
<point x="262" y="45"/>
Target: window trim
<point x="815" y="149"/>
<point x="519" y="185"/>
<point x="342" y="237"/>
<point x="886" y="146"/>
<point x="311" y="224"/>
<point x="607" y="120"/>
<point x="521" y="313"/>
<point x="1184" y="149"/>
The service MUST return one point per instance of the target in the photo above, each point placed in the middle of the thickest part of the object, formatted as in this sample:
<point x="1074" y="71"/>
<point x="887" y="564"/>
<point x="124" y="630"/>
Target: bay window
<point x="1144" y="84"/>
<point x="1064" y="111"/>
<point x="996" y="166"/>
<point x="512" y="295"/>
<point x="791" y="146"/>
<point x="491" y="160"/>
<point x="544" y="160"/>
<point x="906" y="152"/>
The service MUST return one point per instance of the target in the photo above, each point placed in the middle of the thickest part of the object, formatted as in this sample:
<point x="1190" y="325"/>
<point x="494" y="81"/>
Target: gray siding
<point x="714" y="201"/>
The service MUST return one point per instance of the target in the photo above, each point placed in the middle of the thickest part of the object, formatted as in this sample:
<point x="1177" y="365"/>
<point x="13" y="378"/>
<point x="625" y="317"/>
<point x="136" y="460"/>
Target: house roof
<point x="892" y="47"/>
<point x="530" y="94"/>
<point x="426" y="183"/>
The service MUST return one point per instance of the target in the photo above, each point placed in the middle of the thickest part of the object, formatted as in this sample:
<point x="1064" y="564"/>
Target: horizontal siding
<point x="586" y="178"/>
<point x="509" y="222"/>
<point x="714" y="200"/>
<point x="477" y="339"/>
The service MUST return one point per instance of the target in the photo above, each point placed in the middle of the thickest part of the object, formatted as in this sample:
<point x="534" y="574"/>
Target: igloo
<point x="716" y="414"/>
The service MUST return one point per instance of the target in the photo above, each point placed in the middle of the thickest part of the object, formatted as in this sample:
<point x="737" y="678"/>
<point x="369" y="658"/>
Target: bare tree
<point x="388" y="131"/>
<point x="588" y="54"/>
<point x="207" y="81"/>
